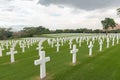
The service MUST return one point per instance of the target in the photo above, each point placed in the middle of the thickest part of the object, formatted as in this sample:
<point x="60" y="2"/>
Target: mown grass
<point x="68" y="35"/>
<point x="103" y="65"/>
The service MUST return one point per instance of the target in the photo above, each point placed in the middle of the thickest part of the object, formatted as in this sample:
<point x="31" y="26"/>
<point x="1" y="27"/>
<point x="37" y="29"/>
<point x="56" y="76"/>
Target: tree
<point x="41" y="30"/>
<point x="118" y="11"/>
<point x="29" y="31"/>
<point x="108" y="22"/>
<point x="5" y="33"/>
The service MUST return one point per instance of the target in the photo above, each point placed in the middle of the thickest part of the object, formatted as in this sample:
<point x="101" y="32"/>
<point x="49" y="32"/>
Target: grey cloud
<point x="83" y="4"/>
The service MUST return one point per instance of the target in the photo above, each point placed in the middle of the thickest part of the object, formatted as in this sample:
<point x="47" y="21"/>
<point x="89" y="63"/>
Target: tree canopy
<point x="118" y="11"/>
<point x="5" y="33"/>
<point x="108" y="22"/>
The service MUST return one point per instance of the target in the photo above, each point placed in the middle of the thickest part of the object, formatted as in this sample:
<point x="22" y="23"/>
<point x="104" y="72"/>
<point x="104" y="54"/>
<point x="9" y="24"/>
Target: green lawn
<point x="68" y="34"/>
<point x="103" y="65"/>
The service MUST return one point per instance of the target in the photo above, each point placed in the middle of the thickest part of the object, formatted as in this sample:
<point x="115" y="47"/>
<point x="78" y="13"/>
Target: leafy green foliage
<point x="108" y="22"/>
<point x="118" y="11"/>
<point x="31" y="31"/>
<point x="5" y="33"/>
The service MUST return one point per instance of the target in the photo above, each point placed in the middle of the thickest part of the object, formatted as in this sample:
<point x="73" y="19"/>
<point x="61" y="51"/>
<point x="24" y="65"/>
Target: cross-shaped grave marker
<point x="73" y="52"/>
<point x="23" y="47"/>
<point x="57" y="45"/>
<point x="42" y="61"/>
<point x="1" y="49"/>
<point x="90" y="48"/>
<point x="12" y="52"/>
<point x="100" y="43"/>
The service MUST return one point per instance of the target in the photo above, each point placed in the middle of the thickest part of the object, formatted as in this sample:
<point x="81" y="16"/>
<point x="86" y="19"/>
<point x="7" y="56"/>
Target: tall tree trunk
<point x="106" y="32"/>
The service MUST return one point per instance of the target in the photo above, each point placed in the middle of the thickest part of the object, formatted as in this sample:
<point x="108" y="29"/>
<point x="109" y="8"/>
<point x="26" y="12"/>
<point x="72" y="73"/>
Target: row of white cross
<point x="12" y="44"/>
<point x="44" y="59"/>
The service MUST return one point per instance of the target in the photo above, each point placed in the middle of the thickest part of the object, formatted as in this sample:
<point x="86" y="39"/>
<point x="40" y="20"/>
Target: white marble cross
<point x="2" y="45"/>
<point x="90" y="48"/>
<point x="13" y="45"/>
<point x="108" y="40"/>
<point x="42" y="61"/>
<point x="12" y="52"/>
<point x="23" y="47"/>
<point x="31" y="43"/>
<point x="40" y="43"/>
<point x="64" y="39"/>
<point x="70" y="43"/>
<point x="77" y="39"/>
<point x="87" y="40"/>
<point x="74" y="51"/>
<point x="1" y="51"/>
<point x="62" y="42"/>
<point x="49" y="41"/>
<point x="28" y="44"/>
<point x="113" y="41"/>
<point x="100" y="43"/>
<point x="57" y="45"/>
<point x="93" y="39"/>
<point x="80" y="41"/>
<point x="117" y="39"/>
<point x="40" y="49"/>
<point x="20" y="42"/>
<point x="7" y="45"/>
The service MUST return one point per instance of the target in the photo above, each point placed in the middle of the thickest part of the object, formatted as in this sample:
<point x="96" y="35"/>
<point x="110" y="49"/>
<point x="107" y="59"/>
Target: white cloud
<point x="28" y="12"/>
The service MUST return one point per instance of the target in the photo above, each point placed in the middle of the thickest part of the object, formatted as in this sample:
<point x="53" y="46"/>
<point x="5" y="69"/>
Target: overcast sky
<point x="57" y="14"/>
